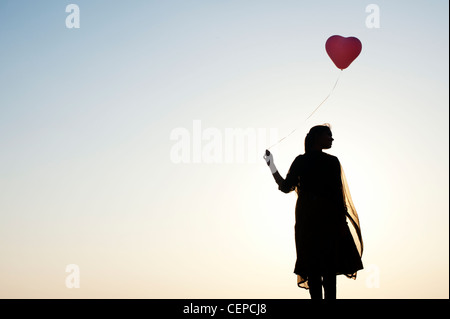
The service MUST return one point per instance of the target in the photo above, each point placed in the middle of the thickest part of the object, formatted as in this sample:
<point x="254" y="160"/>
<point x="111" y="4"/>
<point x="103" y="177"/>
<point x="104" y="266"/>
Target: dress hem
<point x="302" y="281"/>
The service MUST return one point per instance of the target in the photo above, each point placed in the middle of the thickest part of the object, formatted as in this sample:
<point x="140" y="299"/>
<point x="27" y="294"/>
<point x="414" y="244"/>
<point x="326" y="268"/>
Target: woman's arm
<point x="278" y="179"/>
<point x="276" y="175"/>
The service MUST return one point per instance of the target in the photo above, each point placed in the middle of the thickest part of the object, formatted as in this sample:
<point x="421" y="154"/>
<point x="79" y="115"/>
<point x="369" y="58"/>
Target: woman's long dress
<point x="325" y="242"/>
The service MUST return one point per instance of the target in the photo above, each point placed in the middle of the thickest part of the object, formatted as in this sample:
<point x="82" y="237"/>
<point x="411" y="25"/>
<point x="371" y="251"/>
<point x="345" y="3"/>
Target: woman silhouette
<point x="326" y="244"/>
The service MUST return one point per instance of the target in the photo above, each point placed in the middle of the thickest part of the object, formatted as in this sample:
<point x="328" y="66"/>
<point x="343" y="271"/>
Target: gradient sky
<point x="86" y="116"/>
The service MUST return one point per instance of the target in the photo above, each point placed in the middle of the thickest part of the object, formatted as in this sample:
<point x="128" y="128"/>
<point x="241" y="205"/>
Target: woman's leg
<point x="315" y="286"/>
<point x="329" y="285"/>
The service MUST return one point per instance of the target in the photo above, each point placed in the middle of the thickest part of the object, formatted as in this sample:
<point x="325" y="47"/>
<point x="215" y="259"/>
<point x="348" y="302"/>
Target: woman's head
<point x="318" y="138"/>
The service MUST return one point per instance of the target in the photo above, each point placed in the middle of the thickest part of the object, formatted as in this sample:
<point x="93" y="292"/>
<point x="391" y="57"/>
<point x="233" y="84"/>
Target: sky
<point x="118" y="179"/>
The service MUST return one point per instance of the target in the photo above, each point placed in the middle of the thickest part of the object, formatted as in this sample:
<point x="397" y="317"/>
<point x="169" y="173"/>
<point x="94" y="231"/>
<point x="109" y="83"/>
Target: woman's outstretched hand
<point x="269" y="160"/>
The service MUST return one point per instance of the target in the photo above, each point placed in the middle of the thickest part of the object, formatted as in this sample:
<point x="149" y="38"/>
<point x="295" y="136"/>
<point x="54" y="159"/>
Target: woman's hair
<point x="314" y="132"/>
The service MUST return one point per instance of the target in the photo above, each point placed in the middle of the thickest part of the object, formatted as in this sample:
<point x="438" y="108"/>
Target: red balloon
<point x="343" y="51"/>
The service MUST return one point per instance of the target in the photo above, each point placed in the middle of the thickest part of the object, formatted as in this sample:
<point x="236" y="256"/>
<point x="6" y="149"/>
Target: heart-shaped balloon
<point x="343" y="51"/>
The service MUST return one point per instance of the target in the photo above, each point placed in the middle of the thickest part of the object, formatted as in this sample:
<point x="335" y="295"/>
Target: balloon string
<point x="337" y="80"/>
<point x="326" y="98"/>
